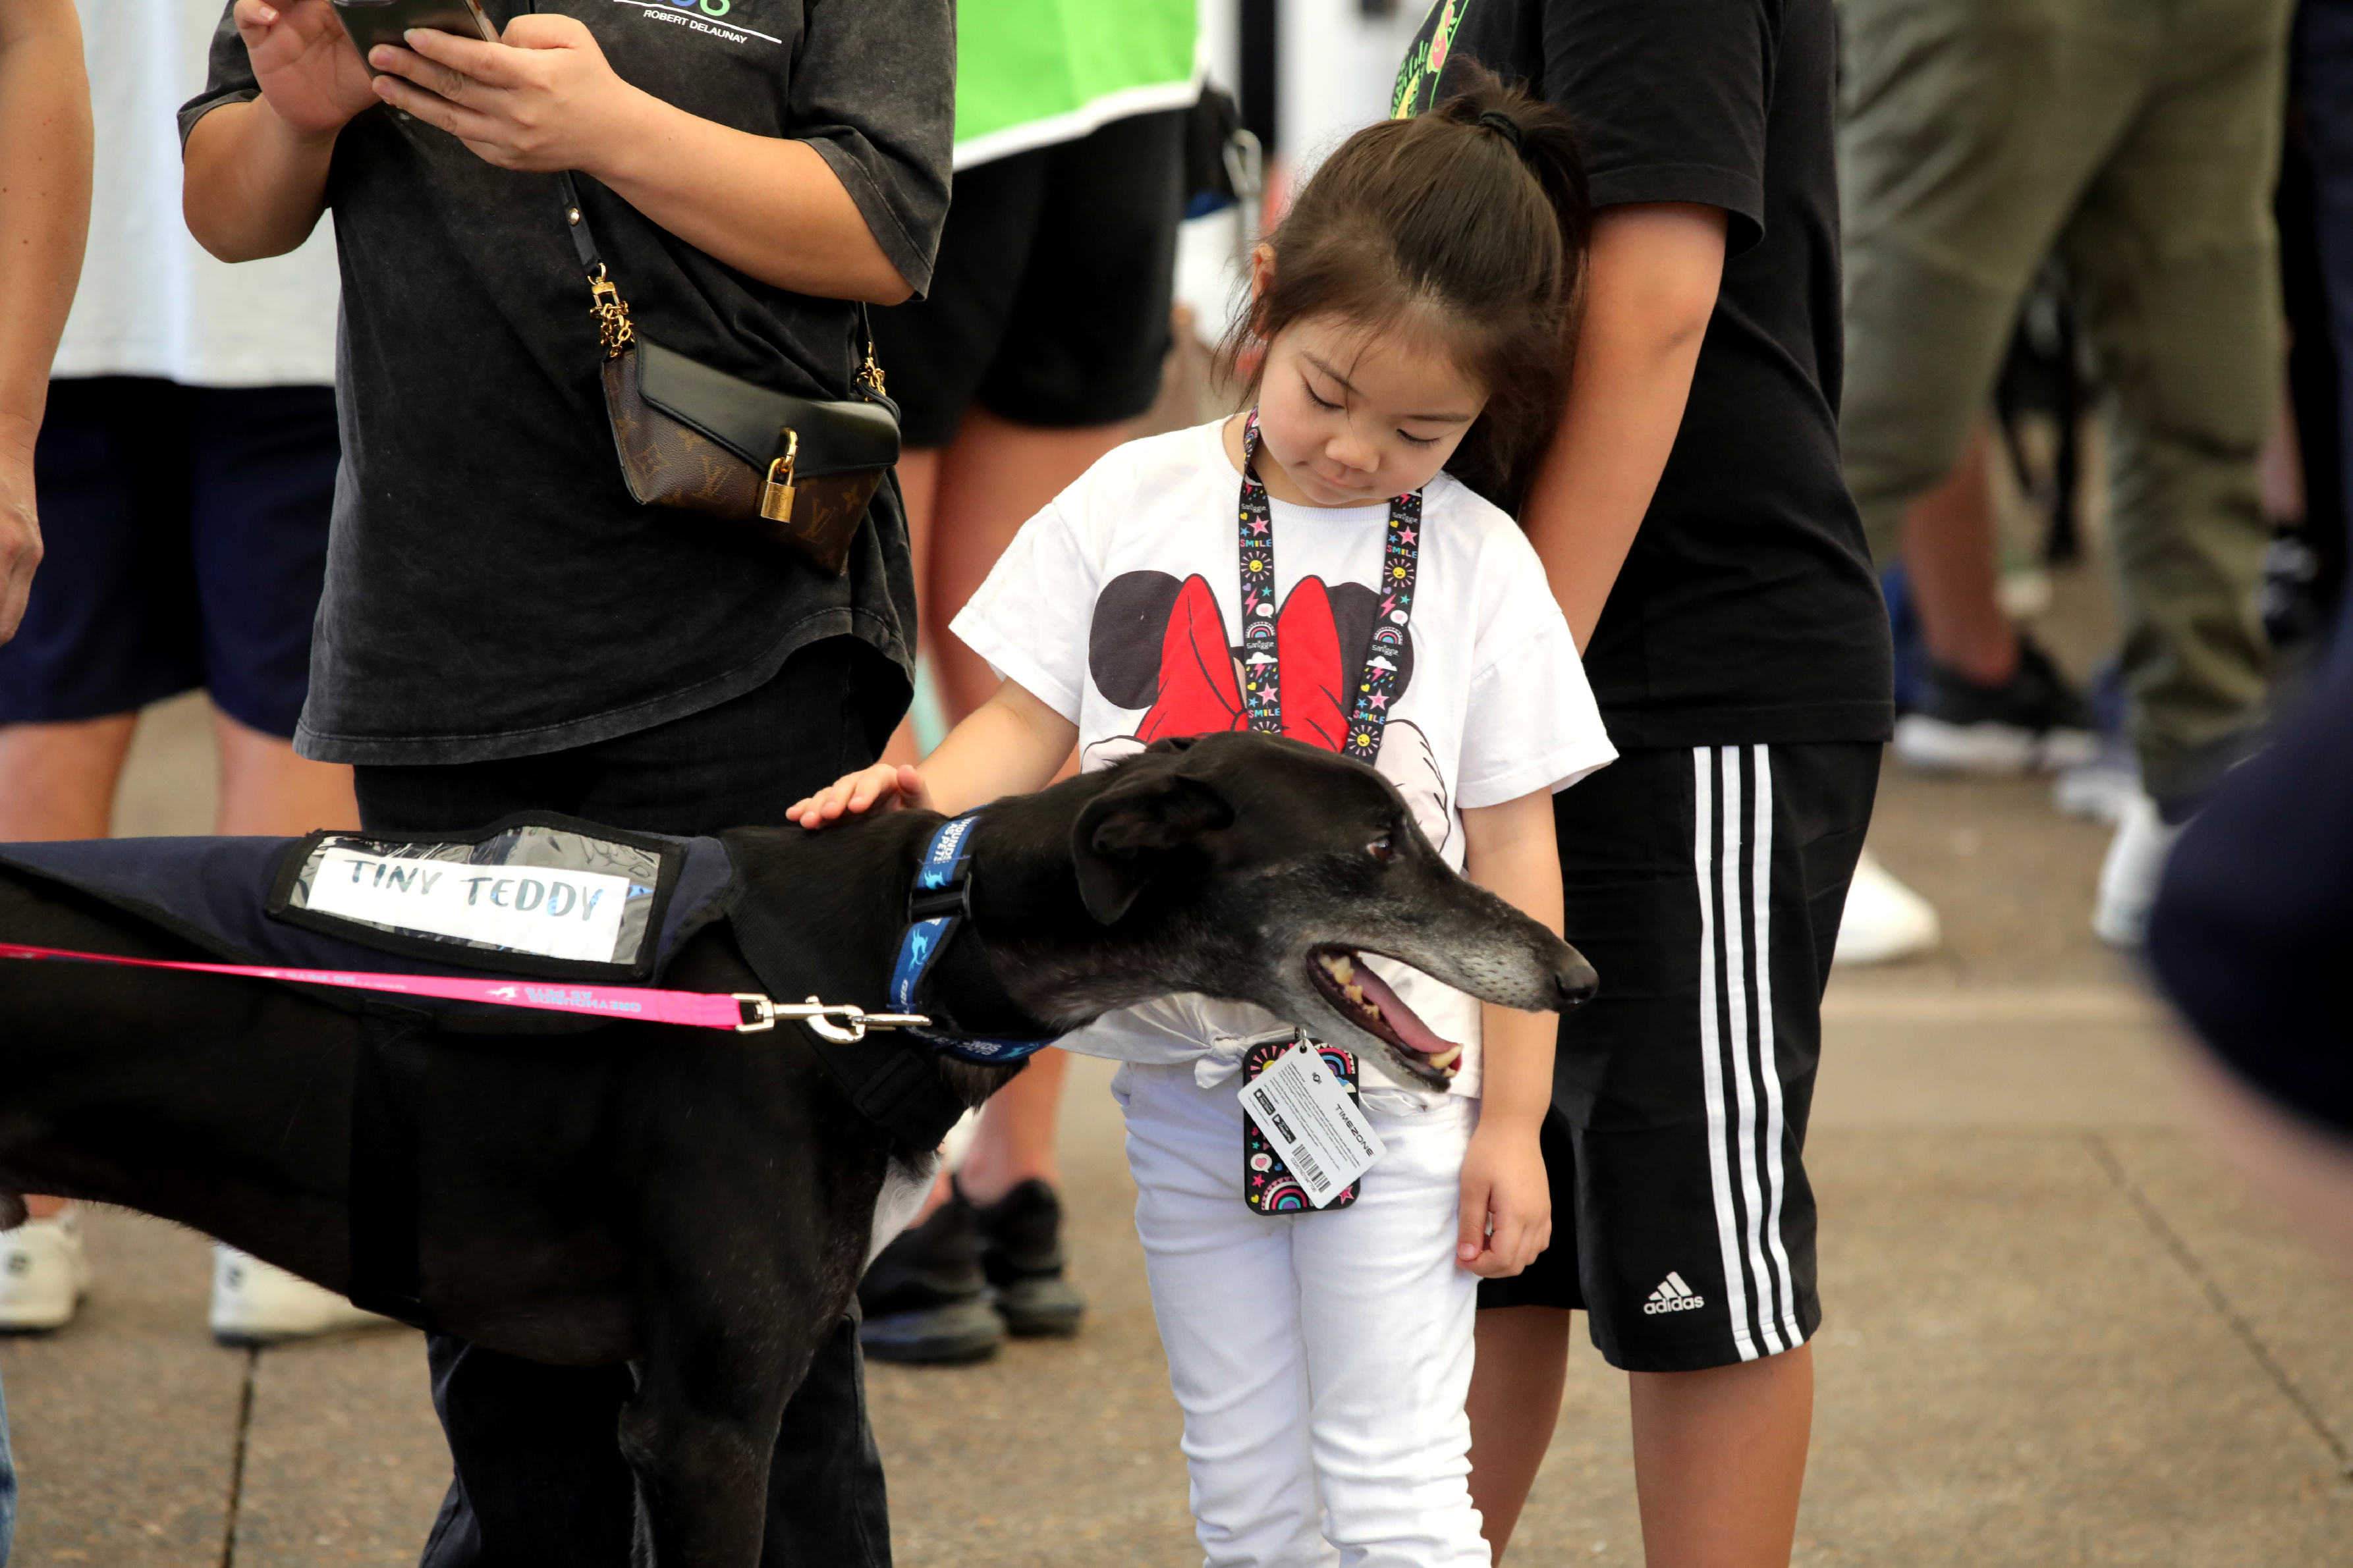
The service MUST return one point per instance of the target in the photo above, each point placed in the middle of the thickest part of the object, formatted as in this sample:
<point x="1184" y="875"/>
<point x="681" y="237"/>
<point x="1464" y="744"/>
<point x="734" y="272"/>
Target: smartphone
<point x="373" y="22"/>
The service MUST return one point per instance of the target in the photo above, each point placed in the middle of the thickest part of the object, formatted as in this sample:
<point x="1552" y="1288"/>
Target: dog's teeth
<point x="1340" y="969"/>
<point x="1355" y="993"/>
<point x="1445" y="1060"/>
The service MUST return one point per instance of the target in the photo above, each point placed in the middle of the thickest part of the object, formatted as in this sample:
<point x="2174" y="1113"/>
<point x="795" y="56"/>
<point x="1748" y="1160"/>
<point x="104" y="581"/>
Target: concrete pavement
<point x="2054" y="1333"/>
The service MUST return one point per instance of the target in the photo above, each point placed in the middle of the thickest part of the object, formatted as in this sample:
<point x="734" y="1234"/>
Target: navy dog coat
<point x="535" y="896"/>
<point x="532" y="897"/>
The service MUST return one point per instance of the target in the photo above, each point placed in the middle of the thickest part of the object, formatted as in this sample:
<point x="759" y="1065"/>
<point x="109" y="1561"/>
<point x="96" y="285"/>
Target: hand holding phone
<point x="373" y="22"/>
<point x="303" y="63"/>
<point x="542" y="97"/>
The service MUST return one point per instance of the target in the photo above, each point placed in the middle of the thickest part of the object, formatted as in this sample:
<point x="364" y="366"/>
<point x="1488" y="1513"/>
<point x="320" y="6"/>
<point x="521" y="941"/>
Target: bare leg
<point x="1720" y="1458"/>
<point x="1514" y="1403"/>
<point x="996" y="476"/>
<point x="919" y="479"/>
<point x="1949" y="557"/>
<point x="57" y="781"/>
<point x="1015" y="1141"/>
<point x="268" y="790"/>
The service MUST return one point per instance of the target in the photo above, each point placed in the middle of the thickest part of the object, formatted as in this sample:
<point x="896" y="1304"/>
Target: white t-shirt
<point x="1118" y="608"/>
<point x="151" y="301"/>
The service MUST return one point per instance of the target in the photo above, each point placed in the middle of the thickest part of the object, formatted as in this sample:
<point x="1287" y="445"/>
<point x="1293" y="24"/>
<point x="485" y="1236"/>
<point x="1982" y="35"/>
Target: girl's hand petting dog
<point x="1506" y="1200"/>
<point x="884" y="787"/>
<point x="1008" y="746"/>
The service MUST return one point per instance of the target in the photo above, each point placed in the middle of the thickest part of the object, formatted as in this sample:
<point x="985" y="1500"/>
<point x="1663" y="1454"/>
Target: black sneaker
<point x="2032" y="721"/>
<point x="925" y="1298"/>
<point x="1021" y="1249"/>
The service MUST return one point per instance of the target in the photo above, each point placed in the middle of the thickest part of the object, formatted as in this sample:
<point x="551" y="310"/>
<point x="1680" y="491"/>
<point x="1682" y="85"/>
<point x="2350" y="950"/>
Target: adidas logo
<point x="1673" y="1296"/>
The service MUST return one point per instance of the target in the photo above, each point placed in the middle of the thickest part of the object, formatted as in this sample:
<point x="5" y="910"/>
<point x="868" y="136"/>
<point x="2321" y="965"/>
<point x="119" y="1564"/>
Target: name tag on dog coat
<point x="553" y="913"/>
<point x="1311" y="1120"/>
<point x="550" y="891"/>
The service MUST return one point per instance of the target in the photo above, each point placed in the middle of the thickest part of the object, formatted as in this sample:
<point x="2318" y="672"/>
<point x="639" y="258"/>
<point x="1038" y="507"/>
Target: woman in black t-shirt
<point x="751" y="170"/>
<point x="504" y="628"/>
<point x="1696" y="528"/>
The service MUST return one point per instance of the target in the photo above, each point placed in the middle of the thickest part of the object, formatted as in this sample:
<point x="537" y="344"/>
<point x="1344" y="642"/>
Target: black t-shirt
<point x="1747" y="610"/>
<point x="493" y="589"/>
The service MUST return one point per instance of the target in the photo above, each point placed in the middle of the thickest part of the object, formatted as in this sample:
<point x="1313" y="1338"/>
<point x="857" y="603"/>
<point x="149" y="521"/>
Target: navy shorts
<point x="1050" y="300"/>
<point x="185" y="543"/>
<point x="1706" y="886"/>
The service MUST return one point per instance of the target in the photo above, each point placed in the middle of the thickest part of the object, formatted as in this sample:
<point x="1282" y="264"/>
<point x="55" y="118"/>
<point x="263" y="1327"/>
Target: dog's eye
<point x="1381" y="849"/>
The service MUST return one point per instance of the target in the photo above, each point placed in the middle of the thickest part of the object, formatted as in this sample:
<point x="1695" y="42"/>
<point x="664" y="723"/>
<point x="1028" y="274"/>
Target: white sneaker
<point x="2101" y="789"/>
<point x="2034" y="721"/>
<point x="43" y="1272"/>
<point x="1987" y="750"/>
<point x="2128" y="876"/>
<point x="260" y="1303"/>
<point x="1885" y="919"/>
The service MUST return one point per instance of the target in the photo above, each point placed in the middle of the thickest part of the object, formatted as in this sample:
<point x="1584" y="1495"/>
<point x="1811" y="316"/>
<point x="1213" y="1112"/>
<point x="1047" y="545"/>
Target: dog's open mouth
<point x="1367" y="1000"/>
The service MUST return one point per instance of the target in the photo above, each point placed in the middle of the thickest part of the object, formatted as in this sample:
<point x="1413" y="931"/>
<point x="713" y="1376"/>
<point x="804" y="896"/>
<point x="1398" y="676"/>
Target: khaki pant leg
<point x="2171" y="257"/>
<point x="1968" y="131"/>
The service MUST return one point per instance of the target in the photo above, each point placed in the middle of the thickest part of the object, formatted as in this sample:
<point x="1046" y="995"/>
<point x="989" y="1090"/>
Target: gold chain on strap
<point x="870" y="373"/>
<point x="612" y="313"/>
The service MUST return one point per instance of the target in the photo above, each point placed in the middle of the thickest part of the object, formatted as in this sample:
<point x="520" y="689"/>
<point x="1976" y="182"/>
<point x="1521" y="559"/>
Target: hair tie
<point x="1496" y="120"/>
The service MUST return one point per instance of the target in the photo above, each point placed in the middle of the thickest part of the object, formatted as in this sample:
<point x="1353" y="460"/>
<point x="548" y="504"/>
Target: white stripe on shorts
<point x="1761" y="899"/>
<point x="1711" y="1051"/>
<point x="1744" y="1158"/>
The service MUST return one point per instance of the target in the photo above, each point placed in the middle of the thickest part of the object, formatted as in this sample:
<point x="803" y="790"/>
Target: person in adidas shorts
<point x="1694" y="525"/>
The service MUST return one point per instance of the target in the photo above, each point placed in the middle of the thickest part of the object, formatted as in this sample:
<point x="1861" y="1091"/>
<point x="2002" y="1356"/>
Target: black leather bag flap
<point x="836" y="437"/>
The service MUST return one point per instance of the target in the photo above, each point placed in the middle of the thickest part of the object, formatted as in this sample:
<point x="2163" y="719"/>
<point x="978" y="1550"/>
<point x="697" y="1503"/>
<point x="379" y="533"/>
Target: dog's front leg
<point x="699" y="1435"/>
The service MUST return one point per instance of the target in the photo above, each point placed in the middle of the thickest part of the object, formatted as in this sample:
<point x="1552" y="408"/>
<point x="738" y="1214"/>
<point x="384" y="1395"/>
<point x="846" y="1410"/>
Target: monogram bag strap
<point x="613" y="328"/>
<point x="870" y="373"/>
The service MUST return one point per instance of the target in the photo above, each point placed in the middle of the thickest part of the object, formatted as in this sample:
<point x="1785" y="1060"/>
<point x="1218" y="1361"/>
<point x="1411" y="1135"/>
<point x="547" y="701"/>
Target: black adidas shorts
<point x="1705" y="885"/>
<point x="1050" y="300"/>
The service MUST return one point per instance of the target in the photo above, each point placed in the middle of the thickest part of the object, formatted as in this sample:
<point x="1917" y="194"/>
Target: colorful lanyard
<point x="1261" y="650"/>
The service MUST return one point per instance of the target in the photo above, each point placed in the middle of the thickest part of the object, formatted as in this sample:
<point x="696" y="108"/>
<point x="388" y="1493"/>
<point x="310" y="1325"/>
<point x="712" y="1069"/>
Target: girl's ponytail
<point x="1540" y="135"/>
<point x="1473" y="219"/>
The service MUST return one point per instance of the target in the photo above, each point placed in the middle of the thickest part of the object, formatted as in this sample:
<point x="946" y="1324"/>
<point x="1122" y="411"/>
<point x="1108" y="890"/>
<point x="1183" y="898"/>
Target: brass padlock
<point x="776" y="495"/>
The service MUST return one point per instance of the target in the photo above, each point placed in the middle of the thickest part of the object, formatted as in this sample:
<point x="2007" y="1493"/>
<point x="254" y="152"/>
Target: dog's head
<point x="1260" y="869"/>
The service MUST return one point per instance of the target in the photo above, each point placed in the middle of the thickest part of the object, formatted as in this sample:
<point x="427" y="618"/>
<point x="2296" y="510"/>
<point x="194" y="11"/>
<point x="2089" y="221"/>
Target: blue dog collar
<point x="939" y="902"/>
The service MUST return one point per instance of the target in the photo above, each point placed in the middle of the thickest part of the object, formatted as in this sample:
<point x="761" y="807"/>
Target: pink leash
<point x="745" y="1013"/>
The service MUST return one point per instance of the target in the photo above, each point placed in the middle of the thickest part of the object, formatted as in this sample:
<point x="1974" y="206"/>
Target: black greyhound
<point x="701" y="1204"/>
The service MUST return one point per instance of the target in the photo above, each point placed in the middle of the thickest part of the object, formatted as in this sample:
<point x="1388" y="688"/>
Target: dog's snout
<point x="1574" y="981"/>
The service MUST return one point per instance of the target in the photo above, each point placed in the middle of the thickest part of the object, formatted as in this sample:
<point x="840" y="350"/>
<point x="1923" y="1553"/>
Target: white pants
<point x="1320" y="1359"/>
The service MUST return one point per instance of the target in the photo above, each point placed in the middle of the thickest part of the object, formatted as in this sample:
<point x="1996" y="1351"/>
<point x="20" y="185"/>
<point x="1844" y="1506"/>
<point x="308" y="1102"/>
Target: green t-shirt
<point x="1031" y="73"/>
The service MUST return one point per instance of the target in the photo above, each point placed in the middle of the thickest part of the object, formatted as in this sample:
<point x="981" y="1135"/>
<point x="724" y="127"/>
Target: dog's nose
<point x="1574" y="983"/>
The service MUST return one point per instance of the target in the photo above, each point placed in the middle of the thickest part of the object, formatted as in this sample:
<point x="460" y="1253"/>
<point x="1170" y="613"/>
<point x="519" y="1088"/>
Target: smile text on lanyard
<point x="1261" y="652"/>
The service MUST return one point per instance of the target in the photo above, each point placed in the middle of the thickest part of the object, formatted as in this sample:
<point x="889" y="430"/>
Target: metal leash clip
<point x="760" y="1014"/>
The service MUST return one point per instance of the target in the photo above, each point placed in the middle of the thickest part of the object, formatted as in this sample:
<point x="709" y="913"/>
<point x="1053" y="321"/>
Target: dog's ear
<point x="1125" y="834"/>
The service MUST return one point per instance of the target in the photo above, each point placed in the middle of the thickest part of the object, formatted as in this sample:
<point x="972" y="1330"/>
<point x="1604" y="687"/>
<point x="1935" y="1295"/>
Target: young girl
<point x="1407" y="316"/>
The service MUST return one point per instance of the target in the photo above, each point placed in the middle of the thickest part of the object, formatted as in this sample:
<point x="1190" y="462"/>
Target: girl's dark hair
<point x="1474" y="214"/>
